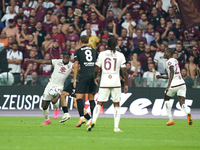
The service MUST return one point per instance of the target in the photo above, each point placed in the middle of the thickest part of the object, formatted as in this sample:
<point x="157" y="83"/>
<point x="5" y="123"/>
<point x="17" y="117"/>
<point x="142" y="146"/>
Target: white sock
<point x="169" y="111"/>
<point x="116" y="116"/>
<point x="46" y="114"/>
<point x="96" y="112"/>
<point x="56" y="105"/>
<point x="186" y="108"/>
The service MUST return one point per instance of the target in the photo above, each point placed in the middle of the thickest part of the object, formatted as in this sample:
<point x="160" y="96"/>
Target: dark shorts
<point x="86" y="85"/>
<point x="70" y="89"/>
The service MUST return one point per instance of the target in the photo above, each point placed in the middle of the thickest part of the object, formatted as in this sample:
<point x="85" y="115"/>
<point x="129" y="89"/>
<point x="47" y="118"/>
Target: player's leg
<point x="92" y="102"/>
<point x="80" y="107"/>
<point x="116" y="96"/>
<point x="86" y="115"/>
<point x="66" y="115"/>
<point x="45" y="110"/>
<point x="181" y="96"/>
<point x="55" y="103"/>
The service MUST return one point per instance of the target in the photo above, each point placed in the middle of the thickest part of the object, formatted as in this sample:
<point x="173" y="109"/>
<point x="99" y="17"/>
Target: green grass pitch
<point x="26" y="133"/>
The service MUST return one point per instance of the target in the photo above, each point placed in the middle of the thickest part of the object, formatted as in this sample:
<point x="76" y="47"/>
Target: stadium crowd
<point x="143" y="28"/>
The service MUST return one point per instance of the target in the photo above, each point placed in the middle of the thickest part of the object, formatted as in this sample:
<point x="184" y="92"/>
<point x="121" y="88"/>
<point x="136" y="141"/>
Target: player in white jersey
<point x="62" y="69"/>
<point x="176" y="85"/>
<point x="110" y="61"/>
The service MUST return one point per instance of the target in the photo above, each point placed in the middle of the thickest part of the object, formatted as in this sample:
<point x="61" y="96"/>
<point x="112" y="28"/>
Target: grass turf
<point x="26" y="133"/>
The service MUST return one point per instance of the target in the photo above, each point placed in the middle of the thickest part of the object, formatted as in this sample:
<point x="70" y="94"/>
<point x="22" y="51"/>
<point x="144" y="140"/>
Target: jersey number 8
<point x="88" y="54"/>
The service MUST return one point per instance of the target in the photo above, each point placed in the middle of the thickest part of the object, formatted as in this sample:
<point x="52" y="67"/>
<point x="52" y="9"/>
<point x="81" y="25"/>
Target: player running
<point x="176" y="85"/>
<point x="86" y="57"/>
<point x="110" y="61"/>
<point x="62" y="69"/>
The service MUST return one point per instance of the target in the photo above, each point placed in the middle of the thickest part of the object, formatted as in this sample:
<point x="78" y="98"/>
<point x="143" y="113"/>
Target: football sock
<point x="116" y="116"/>
<point x="65" y="109"/>
<point x="92" y="105"/>
<point x="56" y="105"/>
<point x="80" y="107"/>
<point x="185" y="108"/>
<point x="46" y="114"/>
<point x="168" y="108"/>
<point x="87" y="116"/>
<point x="96" y="112"/>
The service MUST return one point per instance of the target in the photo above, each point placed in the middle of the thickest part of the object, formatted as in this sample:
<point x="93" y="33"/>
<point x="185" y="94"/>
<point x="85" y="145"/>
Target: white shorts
<point x="46" y="96"/>
<point x="180" y="90"/>
<point x="104" y="93"/>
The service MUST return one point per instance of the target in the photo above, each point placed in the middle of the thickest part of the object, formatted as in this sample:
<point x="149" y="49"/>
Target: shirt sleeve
<point x="53" y="61"/>
<point x="20" y="56"/>
<point x="8" y="55"/>
<point x="170" y="64"/>
<point x="123" y="60"/>
<point x="76" y="58"/>
<point x="3" y="19"/>
<point x="99" y="62"/>
<point x="156" y="58"/>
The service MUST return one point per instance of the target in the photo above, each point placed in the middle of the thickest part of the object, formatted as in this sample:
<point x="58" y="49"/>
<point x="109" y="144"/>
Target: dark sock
<point x="80" y="107"/>
<point x="87" y="116"/>
<point x="65" y="109"/>
<point x="92" y="105"/>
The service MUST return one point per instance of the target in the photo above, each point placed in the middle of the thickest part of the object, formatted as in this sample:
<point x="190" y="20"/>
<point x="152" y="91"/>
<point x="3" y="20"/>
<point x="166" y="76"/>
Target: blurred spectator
<point x="27" y="75"/>
<point x="171" y="40"/>
<point x="10" y="15"/>
<point x="60" y="26"/>
<point x="155" y="18"/>
<point x="161" y="11"/>
<point x="143" y="25"/>
<point x="27" y="9"/>
<point x="110" y="18"/>
<point x="149" y="34"/>
<point x="103" y="43"/>
<point x="168" y="29"/>
<point x="135" y="65"/>
<point x="101" y="48"/>
<point x="54" y="18"/>
<point x="40" y="32"/>
<point x="68" y="44"/>
<point x="34" y="80"/>
<point x="77" y="25"/>
<point x="32" y="4"/>
<point x="58" y="36"/>
<point x="138" y="39"/>
<point x="71" y="35"/>
<point x="70" y="15"/>
<point x="38" y="54"/>
<point x="195" y="54"/>
<point x="172" y="15"/>
<point x="47" y="4"/>
<point x="47" y="25"/>
<point x="58" y="10"/>
<point x="88" y="26"/>
<point x="191" y="67"/>
<point x="15" y="58"/>
<point x="19" y="22"/>
<point x="140" y="49"/>
<point x="40" y="11"/>
<point x="182" y="57"/>
<point x="188" y="81"/>
<point x="47" y="43"/>
<point x="160" y="61"/>
<point x="151" y="76"/>
<point x="55" y="50"/>
<point x="162" y="26"/>
<point x="166" y="5"/>
<point x="93" y="40"/>
<point x="149" y="61"/>
<point x="21" y="13"/>
<point x="96" y="24"/>
<point x="180" y="28"/>
<point x="72" y="49"/>
<point x="144" y="56"/>
<point x="122" y="48"/>
<point x="155" y="44"/>
<point x="78" y="9"/>
<point x="193" y="33"/>
<point x="115" y="8"/>
<point x="10" y="41"/>
<point x="31" y="24"/>
<point x="3" y="39"/>
<point x="13" y="4"/>
<point x="11" y="30"/>
<point x="106" y="5"/>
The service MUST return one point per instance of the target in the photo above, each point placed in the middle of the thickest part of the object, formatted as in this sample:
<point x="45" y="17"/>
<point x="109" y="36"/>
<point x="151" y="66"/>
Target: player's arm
<point x="76" y="66"/>
<point x="96" y="72"/>
<point x="171" y="77"/>
<point x="162" y="77"/>
<point x="40" y="61"/>
<point x="125" y="75"/>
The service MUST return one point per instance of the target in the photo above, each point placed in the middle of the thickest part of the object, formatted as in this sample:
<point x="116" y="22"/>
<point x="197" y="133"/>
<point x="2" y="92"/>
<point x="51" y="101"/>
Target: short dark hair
<point x="169" y="21"/>
<point x="34" y="45"/>
<point x="10" y="20"/>
<point x="184" y="69"/>
<point x="170" y="50"/>
<point x="112" y="43"/>
<point x="15" y="43"/>
<point x="151" y="23"/>
<point x="72" y="41"/>
<point x="66" y="53"/>
<point x="49" y="9"/>
<point x="31" y="17"/>
<point x="39" y="21"/>
<point x="84" y="39"/>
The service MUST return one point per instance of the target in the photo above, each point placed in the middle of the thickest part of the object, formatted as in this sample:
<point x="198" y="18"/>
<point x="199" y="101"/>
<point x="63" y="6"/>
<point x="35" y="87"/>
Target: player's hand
<point x="96" y="81"/>
<point x="126" y="89"/>
<point x="167" y="89"/>
<point x="158" y="77"/>
<point x="74" y="84"/>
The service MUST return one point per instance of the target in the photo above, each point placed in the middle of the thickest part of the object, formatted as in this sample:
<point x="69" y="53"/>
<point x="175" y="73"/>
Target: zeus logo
<point x="124" y="98"/>
<point x="62" y="70"/>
